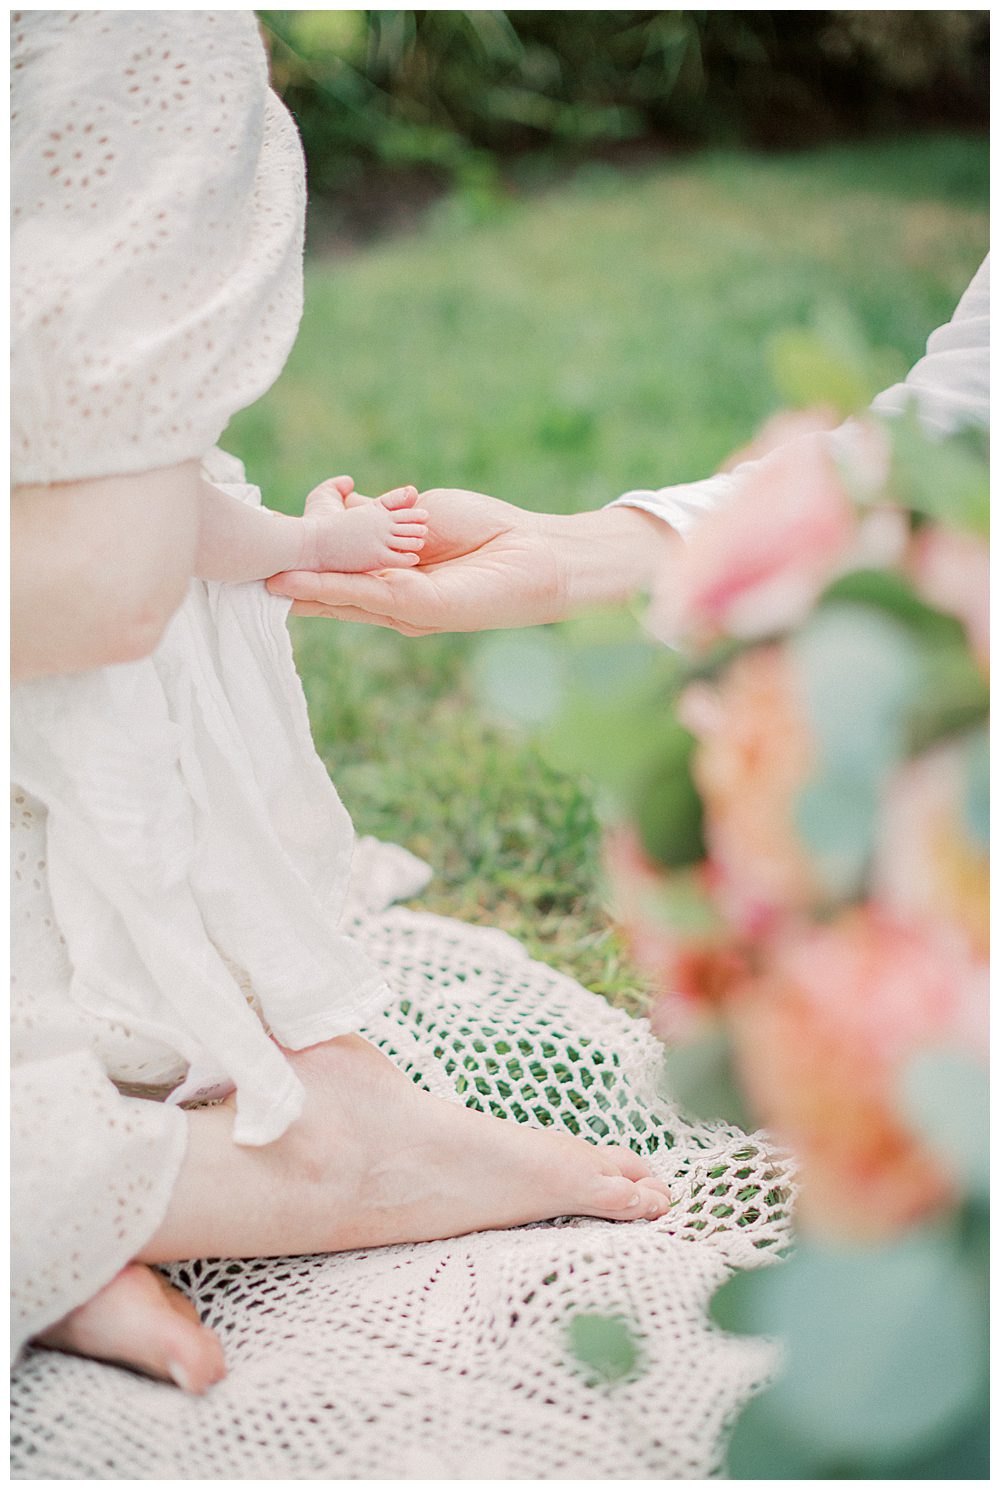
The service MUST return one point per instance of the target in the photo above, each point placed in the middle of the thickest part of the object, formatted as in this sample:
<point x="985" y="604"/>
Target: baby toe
<point x="401" y="496"/>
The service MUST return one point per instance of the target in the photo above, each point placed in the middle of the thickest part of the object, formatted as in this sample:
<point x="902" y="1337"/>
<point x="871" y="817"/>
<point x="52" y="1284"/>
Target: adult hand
<point x="487" y="564"/>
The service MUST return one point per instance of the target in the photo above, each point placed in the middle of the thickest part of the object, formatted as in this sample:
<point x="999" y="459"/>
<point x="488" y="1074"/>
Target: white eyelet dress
<point x="182" y="889"/>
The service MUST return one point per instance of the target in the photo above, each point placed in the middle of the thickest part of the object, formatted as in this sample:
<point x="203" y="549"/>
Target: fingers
<point x="401" y="558"/>
<point x="399" y="497"/>
<point x="361" y="617"/>
<point x="406" y="545"/>
<point x="363" y="590"/>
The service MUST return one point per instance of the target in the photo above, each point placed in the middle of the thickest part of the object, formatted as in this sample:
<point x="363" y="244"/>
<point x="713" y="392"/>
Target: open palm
<point x="485" y="564"/>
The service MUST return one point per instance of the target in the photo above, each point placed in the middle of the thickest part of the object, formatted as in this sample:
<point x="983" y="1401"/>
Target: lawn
<point x="556" y="350"/>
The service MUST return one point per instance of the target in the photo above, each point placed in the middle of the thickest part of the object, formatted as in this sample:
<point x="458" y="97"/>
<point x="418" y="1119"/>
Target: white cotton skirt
<point x="195" y="857"/>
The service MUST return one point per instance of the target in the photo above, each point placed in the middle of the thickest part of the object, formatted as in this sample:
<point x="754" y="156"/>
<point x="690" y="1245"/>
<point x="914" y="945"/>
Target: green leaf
<point x="944" y="1096"/>
<point x="944" y="479"/>
<point x="952" y="693"/>
<point x="667" y="806"/>
<point x="857" y="673"/>
<point x="977" y="787"/>
<point x="890" y="593"/>
<point x="700" y="1078"/>
<point x="604" y="1343"/>
<point x="886" y="1352"/>
<point x="519" y="675"/>
<point x="835" y="814"/>
<point x="952" y="696"/>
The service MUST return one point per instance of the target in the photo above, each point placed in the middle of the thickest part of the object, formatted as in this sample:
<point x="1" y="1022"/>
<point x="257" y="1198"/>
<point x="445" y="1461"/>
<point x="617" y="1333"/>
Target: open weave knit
<point x="452" y="1359"/>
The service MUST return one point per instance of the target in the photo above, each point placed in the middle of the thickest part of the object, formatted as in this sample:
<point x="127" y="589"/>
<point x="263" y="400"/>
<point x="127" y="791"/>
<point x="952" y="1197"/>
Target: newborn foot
<point x="385" y="533"/>
<point x="139" y="1320"/>
<point x="389" y="1163"/>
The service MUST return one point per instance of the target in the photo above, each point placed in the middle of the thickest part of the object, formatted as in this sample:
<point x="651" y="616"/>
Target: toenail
<point x="179" y="1376"/>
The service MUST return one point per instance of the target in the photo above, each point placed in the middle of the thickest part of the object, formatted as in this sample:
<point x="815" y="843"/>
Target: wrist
<point x="608" y="556"/>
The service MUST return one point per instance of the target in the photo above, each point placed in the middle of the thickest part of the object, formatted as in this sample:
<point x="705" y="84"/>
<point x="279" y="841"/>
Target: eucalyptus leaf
<point x="858" y="674"/>
<point x="977" y="787"/>
<point x="836" y="816"/>
<point x="605" y="1345"/>
<point x="700" y="1078"/>
<point x="886" y="1348"/>
<point x="519" y="675"/>
<point x="944" y="1096"/>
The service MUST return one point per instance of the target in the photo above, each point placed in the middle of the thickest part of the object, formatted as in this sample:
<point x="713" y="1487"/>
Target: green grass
<point x="608" y="334"/>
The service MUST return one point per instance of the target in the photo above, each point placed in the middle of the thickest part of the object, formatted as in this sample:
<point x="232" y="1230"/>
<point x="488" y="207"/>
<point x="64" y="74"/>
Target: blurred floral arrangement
<point x="803" y="875"/>
<point x="820" y="928"/>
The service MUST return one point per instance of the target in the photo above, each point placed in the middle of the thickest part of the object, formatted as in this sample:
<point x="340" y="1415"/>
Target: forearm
<point x="608" y="556"/>
<point x="239" y="542"/>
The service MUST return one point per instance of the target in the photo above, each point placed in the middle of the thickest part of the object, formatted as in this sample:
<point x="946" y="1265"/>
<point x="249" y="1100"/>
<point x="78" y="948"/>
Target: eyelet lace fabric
<point x="158" y="198"/>
<point x="452" y="1359"/>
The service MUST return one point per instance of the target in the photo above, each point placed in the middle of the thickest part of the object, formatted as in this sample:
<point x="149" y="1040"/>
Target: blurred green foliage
<point x="456" y="92"/>
<point x="886" y="1358"/>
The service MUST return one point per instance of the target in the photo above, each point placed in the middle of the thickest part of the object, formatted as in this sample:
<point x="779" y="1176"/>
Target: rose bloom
<point x="755" y="753"/>
<point x="951" y="570"/>
<point x="928" y="867"/>
<point x="757" y="564"/>
<point x="819" y="1045"/>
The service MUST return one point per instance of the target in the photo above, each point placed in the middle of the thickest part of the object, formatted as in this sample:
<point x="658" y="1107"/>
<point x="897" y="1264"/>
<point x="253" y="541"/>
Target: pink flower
<point x="757" y="565"/>
<point x="755" y="752"/>
<point x="820" y="1042"/>
<point x="952" y="572"/>
<point x="928" y="868"/>
<point x="781" y="429"/>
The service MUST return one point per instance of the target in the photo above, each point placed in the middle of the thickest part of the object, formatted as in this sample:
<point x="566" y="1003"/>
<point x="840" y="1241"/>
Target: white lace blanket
<point x="451" y="1359"/>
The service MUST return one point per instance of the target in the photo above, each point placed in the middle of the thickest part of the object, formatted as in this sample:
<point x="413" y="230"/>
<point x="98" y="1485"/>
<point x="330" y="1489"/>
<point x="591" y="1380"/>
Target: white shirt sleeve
<point x="950" y="385"/>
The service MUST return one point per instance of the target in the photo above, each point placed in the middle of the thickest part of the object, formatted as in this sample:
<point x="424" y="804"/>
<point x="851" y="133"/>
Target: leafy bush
<point x="452" y="92"/>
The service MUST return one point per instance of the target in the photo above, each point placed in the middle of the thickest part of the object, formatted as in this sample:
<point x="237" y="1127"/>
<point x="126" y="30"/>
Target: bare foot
<point x="139" y="1320"/>
<point x="387" y="532"/>
<point x="373" y="1160"/>
<point x="389" y="1163"/>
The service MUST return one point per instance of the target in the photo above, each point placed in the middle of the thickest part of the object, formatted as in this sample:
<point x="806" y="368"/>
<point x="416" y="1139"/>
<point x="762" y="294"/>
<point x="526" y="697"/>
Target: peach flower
<point x="928" y="867"/>
<point x="820" y="1042"/>
<point x="755" y="753"/>
<point x="952" y="572"/>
